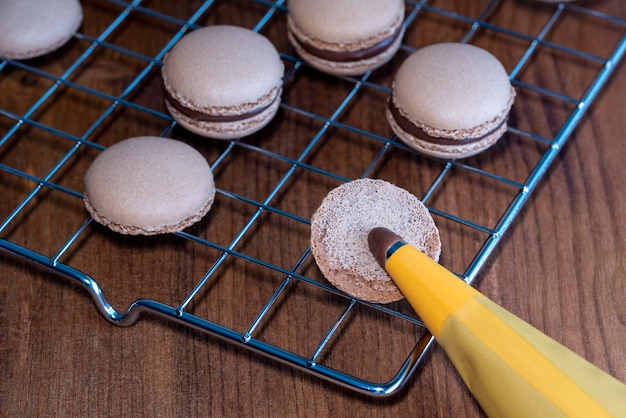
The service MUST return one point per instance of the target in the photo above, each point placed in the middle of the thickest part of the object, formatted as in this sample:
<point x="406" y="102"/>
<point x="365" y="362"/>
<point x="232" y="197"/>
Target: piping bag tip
<point x="380" y="240"/>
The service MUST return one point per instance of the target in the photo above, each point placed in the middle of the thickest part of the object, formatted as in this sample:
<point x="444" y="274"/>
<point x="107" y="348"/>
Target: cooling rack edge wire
<point x="306" y="364"/>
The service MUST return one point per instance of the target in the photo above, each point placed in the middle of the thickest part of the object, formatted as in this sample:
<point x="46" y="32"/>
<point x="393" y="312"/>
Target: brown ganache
<point x="410" y="128"/>
<point x="204" y="117"/>
<point x="348" y="56"/>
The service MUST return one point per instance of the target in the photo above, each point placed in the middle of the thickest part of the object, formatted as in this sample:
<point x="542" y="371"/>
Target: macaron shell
<point x="451" y="87"/>
<point x="339" y="229"/>
<point x="31" y="28"/>
<point x="344" y="21"/>
<point x="149" y="185"/>
<point x="222" y="66"/>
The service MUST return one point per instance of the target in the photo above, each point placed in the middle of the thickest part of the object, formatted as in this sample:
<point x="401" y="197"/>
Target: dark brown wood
<point x="561" y="266"/>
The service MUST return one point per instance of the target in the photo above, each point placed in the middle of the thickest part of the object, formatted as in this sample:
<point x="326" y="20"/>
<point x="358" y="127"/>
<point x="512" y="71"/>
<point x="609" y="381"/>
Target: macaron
<point x="339" y="235"/>
<point x="450" y="100"/>
<point x="148" y="185"/>
<point x="345" y="37"/>
<point x="223" y="81"/>
<point x="32" y="28"/>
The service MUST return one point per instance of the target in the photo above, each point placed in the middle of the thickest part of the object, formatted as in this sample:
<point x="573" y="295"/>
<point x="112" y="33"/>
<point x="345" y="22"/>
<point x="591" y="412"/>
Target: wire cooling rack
<point x="541" y="121"/>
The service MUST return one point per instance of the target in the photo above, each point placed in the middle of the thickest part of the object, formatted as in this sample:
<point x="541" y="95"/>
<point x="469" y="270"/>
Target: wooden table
<point x="560" y="266"/>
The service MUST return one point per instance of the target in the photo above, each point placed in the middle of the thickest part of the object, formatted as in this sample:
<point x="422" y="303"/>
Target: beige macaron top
<point x="149" y="185"/>
<point x="223" y="66"/>
<point x="345" y="21"/>
<point x="30" y="28"/>
<point x="452" y="86"/>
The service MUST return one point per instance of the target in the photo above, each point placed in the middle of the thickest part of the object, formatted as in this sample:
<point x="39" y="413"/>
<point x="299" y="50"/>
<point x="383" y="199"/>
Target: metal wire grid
<point x="247" y="339"/>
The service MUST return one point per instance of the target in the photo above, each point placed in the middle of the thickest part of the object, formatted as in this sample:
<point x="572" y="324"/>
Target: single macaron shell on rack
<point x="345" y="37"/>
<point x="149" y="185"/>
<point x="340" y="228"/>
<point x="30" y="29"/>
<point x="223" y="81"/>
<point x="450" y="100"/>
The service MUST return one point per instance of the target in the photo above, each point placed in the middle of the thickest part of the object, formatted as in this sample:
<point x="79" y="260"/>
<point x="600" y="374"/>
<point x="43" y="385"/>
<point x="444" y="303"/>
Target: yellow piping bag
<point x="511" y="368"/>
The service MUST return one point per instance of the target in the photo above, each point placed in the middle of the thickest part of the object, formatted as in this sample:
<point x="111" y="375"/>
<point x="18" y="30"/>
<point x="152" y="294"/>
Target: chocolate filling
<point x="347" y="56"/>
<point x="203" y="117"/>
<point x="408" y="127"/>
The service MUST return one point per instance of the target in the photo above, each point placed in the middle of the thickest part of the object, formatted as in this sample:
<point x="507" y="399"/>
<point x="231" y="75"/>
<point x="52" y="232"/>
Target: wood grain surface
<point x="560" y="266"/>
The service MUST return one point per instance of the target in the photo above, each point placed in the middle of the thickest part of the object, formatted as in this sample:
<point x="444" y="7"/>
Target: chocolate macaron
<point x="450" y="100"/>
<point x="149" y="185"/>
<point x="29" y="29"/>
<point x="223" y="81"/>
<point x="345" y="37"/>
